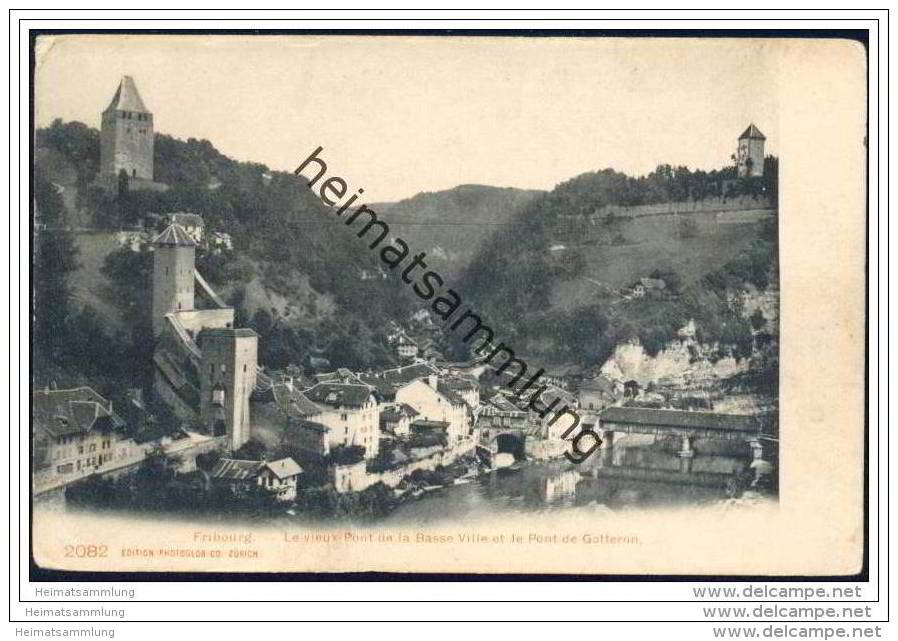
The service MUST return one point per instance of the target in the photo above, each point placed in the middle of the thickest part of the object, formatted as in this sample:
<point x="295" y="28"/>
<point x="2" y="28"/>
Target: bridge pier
<point x="686" y="454"/>
<point x="606" y="450"/>
<point x="757" y="449"/>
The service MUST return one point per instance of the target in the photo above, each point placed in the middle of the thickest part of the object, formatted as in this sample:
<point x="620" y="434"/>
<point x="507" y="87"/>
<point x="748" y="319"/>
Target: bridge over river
<point x="688" y="426"/>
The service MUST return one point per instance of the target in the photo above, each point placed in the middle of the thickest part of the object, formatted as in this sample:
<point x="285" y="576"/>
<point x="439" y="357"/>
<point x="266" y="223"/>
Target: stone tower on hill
<point x="126" y="135"/>
<point x="750" y="152"/>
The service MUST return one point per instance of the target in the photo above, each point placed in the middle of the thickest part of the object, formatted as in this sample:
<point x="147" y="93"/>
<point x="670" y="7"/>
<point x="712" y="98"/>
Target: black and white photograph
<point x="427" y="300"/>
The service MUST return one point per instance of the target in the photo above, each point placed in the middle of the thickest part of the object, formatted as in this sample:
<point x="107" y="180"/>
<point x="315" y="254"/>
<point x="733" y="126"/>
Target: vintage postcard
<point x="448" y="304"/>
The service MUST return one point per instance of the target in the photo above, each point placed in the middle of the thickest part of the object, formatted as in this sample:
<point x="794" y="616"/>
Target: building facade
<point x="351" y="414"/>
<point x="77" y="433"/>
<point x="436" y="401"/>
<point x="279" y="478"/>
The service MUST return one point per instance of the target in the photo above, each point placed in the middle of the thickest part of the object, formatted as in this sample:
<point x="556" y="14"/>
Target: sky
<point x="402" y="115"/>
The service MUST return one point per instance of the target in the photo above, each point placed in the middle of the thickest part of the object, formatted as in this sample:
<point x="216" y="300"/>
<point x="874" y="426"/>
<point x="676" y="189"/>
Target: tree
<point x="55" y="257"/>
<point x="757" y="320"/>
<point x="347" y="454"/>
<point x="155" y="472"/>
<point x="252" y="450"/>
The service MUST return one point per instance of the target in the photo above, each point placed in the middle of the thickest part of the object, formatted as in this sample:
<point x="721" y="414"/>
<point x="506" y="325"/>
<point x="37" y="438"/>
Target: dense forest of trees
<point x="512" y="279"/>
<point x="280" y="228"/>
<point x="276" y="223"/>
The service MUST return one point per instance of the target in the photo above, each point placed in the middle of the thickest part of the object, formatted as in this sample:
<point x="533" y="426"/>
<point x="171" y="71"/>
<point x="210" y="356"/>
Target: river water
<point x="606" y="479"/>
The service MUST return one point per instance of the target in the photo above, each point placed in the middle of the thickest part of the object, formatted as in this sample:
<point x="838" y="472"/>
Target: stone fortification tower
<point x="126" y="135"/>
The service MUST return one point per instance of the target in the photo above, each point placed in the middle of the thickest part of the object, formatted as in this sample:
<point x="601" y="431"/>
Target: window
<point x="80" y="449"/>
<point x="92" y="448"/>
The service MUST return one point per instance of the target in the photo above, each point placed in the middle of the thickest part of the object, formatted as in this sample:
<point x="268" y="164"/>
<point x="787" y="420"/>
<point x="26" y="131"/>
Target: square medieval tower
<point x="126" y="135"/>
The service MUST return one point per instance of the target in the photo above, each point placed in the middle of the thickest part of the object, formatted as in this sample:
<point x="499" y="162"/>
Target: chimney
<point x="432" y="380"/>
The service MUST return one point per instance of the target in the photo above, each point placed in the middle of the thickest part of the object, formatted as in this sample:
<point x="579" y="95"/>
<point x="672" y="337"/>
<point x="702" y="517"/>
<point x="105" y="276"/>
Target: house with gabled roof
<point x="351" y="414"/>
<point x="465" y="386"/>
<point x="76" y="432"/>
<point x="280" y="477"/>
<point x="499" y="412"/>
<point x="191" y="223"/>
<point x="595" y="394"/>
<point x="435" y="400"/>
<point x="396" y="418"/>
<point x="406" y="347"/>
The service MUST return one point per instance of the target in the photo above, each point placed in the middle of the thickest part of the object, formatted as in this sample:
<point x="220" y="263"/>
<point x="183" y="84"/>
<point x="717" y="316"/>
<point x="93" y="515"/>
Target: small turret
<point x="750" y="152"/>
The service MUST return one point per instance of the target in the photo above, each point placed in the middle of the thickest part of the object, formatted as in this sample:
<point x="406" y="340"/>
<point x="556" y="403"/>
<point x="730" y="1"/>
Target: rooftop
<point x="283" y="468"/>
<point x="451" y="395"/>
<point x="681" y="419"/>
<point x="753" y="133"/>
<point x="339" y="394"/>
<point x="240" y="332"/>
<point x="127" y="98"/>
<point x="174" y="236"/>
<point x="422" y="424"/>
<point x="187" y="218"/>
<point x="291" y="402"/>
<point x="395" y="412"/>
<point x="235" y="469"/>
<point x="400" y="375"/>
<point x="72" y="411"/>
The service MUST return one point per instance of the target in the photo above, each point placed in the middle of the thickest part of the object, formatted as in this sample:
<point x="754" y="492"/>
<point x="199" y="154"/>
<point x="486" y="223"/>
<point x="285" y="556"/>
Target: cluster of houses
<point x="135" y="239"/>
<point x="371" y="426"/>
<point x="413" y="412"/>
<point x="419" y="340"/>
<point x="646" y="287"/>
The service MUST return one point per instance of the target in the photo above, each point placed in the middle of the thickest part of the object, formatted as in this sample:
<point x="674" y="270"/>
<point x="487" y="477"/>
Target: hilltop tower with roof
<point x="126" y="135"/>
<point x="750" y="152"/>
